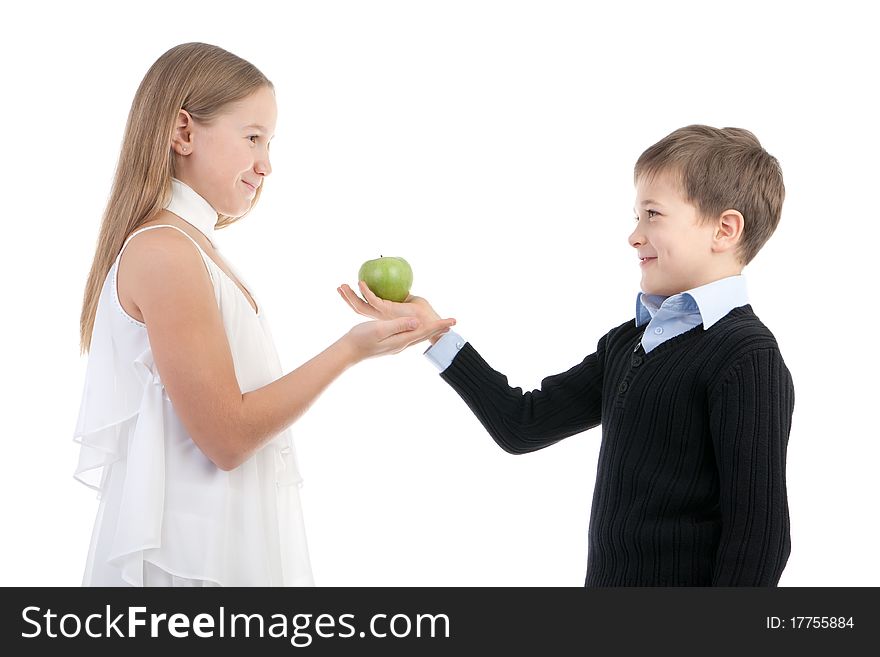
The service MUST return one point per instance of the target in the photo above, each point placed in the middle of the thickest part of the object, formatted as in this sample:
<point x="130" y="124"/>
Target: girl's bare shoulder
<point x="139" y="257"/>
<point x="166" y="218"/>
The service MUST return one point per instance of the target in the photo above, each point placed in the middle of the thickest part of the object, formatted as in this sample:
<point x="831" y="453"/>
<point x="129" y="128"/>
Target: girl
<point x="184" y="419"/>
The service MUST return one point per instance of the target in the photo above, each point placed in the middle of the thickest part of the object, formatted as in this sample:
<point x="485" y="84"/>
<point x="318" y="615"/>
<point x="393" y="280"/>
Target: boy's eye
<point x="254" y="137"/>
<point x="650" y="214"/>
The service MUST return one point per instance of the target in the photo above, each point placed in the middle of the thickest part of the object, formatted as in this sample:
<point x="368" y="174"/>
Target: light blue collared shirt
<point x="670" y="316"/>
<point x="665" y="317"/>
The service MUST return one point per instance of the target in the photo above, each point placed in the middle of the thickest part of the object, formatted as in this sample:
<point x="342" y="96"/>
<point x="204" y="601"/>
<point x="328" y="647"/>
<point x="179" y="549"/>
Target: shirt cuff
<point x="444" y="350"/>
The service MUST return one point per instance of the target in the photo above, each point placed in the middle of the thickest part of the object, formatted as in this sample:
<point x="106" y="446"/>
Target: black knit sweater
<point x="690" y="485"/>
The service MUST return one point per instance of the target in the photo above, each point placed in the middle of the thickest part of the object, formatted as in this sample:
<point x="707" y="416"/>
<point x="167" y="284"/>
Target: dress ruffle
<point x="131" y="432"/>
<point x="111" y="400"/>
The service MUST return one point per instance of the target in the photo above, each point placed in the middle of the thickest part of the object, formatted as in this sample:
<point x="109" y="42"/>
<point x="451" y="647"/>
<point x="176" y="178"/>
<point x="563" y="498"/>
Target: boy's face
<point x="680" y="249"/>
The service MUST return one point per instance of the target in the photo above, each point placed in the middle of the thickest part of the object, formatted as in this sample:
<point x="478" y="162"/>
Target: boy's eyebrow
<point x="648" y="202"/>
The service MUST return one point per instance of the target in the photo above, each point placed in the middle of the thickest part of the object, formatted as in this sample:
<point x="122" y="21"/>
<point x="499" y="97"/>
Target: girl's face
<point x="226" y="161"/>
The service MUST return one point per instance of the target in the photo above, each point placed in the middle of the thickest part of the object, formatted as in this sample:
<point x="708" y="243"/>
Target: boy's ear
<point x="729" y="229"/>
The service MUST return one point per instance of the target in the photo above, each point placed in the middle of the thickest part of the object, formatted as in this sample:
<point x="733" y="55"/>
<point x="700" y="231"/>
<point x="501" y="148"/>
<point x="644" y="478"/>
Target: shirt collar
<point x="192" y="208"/>
<point x="711" y="301"/>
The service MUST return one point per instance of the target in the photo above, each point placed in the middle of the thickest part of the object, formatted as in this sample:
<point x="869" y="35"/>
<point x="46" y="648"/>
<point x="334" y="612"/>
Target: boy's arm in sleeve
<point x="750" y="415"/>
<point x="566" y="403"/>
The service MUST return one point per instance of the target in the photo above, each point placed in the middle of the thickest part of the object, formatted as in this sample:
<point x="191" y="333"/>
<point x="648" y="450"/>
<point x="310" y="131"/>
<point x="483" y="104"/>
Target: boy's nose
<point x="635" y="239"/>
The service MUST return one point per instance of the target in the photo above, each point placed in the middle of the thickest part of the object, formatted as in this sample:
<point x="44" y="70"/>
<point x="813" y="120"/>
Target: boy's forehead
<point x="657" y="188"/>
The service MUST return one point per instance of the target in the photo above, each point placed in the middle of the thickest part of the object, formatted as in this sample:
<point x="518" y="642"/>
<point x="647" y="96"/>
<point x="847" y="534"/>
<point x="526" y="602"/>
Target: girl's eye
<point x="652" y="213"/>
<point x="254" y="137"/>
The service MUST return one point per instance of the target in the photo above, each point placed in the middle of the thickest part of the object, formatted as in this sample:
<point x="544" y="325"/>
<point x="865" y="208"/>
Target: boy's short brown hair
<point x="720" y="169"/>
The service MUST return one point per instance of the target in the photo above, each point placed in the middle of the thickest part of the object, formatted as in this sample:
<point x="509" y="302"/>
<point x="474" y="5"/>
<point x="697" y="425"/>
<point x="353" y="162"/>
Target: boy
<point x="693" y="395"/>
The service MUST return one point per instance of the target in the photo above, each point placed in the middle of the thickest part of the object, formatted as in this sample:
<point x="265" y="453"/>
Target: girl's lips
<point x="249" y="186"/>
<point x="644" y="262"/>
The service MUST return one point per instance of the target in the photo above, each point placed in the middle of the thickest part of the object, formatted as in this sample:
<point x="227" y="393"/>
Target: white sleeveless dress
<point x="167" y="515"/>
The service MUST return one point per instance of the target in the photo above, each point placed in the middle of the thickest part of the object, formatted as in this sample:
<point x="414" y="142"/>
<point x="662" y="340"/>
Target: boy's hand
<point x="381" y="309"/>
<point x="378" y="308"/>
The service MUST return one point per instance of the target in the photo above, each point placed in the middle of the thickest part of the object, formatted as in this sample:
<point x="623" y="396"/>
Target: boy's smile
<point x="676" y="251"/>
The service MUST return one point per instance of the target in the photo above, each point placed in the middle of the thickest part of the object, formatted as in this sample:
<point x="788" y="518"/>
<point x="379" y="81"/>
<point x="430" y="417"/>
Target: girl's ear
<point x="181" y="142"/>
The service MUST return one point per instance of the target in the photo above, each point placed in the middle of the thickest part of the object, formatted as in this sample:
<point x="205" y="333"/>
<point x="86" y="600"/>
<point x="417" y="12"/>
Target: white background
<point x="492" y="145"/>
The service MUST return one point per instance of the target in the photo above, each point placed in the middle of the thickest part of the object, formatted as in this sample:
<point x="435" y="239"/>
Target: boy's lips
<point x="645" y="261"/>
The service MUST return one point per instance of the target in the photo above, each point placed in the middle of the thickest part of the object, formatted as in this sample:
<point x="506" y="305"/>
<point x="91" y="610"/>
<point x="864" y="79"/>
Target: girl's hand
<point x="390" y="336"/>
<point x="373" y="306"/>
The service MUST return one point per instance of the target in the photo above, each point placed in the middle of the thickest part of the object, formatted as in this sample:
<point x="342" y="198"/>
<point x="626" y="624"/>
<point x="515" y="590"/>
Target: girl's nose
<point x="263" y="167"/>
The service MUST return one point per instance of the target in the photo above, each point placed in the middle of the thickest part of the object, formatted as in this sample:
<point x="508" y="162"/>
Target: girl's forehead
<point x="258" y="109"/>
<point x="246" y="121"/>
<point x="256" y="126"/>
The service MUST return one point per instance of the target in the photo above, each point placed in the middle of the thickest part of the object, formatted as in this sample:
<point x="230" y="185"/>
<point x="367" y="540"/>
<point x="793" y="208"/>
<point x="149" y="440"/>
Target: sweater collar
<point x="711" y="301"/>
<point x="187" y="204"/>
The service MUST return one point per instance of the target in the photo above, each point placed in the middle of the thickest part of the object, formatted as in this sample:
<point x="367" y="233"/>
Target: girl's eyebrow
<point x="257" y="126"/>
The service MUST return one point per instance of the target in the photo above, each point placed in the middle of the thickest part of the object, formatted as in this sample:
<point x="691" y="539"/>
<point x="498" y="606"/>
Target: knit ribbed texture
<point x="690" y="484"/>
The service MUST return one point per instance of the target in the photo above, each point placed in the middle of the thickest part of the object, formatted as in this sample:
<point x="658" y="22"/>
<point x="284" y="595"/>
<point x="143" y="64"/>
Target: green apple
<point x="389" y="278"/>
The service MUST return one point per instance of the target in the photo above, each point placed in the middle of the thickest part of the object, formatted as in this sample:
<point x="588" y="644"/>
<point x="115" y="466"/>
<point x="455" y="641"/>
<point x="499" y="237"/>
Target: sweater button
<point x="622" y="387"/>
<point x="637" y="360"/>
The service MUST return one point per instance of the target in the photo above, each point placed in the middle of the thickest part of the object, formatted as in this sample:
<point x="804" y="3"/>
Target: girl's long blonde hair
<point x="197" y="77"/>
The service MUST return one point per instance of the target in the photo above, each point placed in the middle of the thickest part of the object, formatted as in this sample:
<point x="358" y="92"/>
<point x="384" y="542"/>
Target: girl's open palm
<point x="390" y="334"/>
